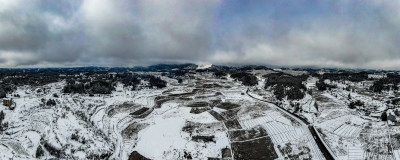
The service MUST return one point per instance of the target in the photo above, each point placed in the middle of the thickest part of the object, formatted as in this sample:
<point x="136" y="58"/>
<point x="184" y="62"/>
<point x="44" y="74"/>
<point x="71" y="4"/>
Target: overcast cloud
<point x="320" y="33"/>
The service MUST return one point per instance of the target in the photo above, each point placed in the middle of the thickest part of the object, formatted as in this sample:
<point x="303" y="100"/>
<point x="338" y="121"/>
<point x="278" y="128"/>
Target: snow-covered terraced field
<point x="355" y="153"/>
<point x="348" y="131"/>
<point x="199" y="118"/>
<point x="250" y="123"/>
<point x="333" y="124"/>
<point x="348" y="126"/>
<point x="281" y="133"/>
<point x="279" y="129"/>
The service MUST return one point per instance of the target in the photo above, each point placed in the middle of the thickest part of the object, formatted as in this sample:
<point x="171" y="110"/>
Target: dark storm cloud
<point x="356" y="34"/>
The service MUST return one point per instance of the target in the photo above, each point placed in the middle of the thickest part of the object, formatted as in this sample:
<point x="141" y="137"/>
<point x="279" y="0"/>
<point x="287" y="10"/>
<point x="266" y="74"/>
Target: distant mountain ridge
<point x="186" y="66"/>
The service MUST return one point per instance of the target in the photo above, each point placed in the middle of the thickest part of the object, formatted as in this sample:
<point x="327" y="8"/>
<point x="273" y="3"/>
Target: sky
<point x="125" y="33"/>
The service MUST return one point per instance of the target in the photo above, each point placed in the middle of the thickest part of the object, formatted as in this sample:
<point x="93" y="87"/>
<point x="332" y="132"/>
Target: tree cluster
<point x="344" y="75"/>
<point x="177" y="73"/>
<point x="219" y="74"/>
<point x="131" y="81"/>
<point x="3" y="93"/>
<point x="51" y="102"/>
<point x="94" y="87"/>
<point x="389" y="83"/>
<point x="6" y="88"/>
<point x="157" y="82"/>
<point x="101" y="87"/>
<point x="247" y="79"/>
<point x="384" y="116"/>
<point x="353" y="104"/>
<point x="39" y="152"/>
<point x="322" y="86"/>
<point x="3" y="126"/>
<point x="54" y="151"/>
<point x="180" y="80"/>
<point x="396" y="101"/>
<point x="286" y="85"/>
<point x="29" y="77"/>
<point x="74" y="88"/>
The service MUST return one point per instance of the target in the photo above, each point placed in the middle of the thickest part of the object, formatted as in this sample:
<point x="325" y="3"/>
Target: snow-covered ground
<point x="164" y="138"/>
<point x="167" y="124"/>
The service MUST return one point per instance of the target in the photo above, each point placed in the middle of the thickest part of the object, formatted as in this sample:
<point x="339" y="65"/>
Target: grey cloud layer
<point x="104" y="32"/>
<point x="356" y="37"/>
<point x="140" y="32"/>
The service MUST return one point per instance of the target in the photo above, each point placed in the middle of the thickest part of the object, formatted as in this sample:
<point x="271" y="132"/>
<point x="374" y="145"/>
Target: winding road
<point x="327" y="154"/>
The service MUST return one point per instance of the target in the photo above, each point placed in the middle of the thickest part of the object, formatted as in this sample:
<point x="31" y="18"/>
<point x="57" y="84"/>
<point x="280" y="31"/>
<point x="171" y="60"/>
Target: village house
<point x="9" y="103"/>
